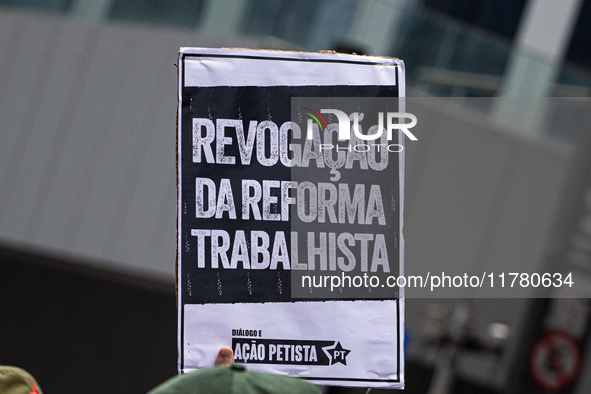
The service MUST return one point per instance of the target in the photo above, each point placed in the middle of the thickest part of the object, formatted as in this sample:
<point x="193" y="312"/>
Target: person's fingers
<point x="225" y="357"/>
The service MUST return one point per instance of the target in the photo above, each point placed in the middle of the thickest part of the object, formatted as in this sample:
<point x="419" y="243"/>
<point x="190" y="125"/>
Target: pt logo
<point x="337" y="354"/>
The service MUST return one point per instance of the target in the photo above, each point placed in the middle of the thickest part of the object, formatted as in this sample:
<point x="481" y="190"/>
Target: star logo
<point x="337" y="354"/>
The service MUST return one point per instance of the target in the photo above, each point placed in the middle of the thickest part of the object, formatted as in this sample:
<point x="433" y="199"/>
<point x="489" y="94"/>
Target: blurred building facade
<point x="87" y="160"/>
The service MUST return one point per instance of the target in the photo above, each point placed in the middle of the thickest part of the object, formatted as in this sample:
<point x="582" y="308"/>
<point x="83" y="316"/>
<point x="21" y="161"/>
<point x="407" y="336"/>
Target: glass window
<point x="499" y="16"/>
<point x="578" y="50"/>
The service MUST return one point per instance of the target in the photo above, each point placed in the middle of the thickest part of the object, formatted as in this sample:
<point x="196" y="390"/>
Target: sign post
<point x="289" y="229"/>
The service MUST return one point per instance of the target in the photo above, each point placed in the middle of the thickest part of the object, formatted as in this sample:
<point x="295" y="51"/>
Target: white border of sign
<point x="248" y="68"/>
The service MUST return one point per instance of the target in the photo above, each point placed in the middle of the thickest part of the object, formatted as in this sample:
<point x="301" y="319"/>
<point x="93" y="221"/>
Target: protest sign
<point x="288" y="227"/>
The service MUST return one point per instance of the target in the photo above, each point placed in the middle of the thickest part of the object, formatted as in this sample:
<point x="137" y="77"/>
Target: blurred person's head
<point x="14" y="380"/>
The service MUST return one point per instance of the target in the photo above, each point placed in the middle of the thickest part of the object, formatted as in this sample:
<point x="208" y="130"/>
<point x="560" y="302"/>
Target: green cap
<point x="234" y="379"/>
<point x="14" y="380"/>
